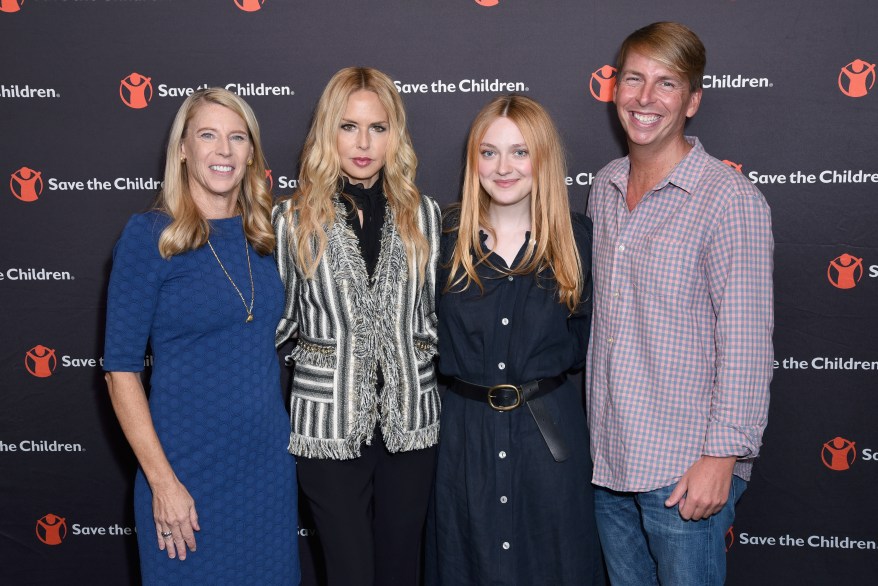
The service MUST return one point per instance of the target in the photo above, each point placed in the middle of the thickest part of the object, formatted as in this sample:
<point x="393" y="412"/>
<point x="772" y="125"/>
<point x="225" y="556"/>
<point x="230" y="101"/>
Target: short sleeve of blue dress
<point x="215" y="399"/>
<point x="502" y="506"/>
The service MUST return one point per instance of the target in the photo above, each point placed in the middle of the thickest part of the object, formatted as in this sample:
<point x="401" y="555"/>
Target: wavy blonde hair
<point x="320" y="171"/>
<point x="551" y="245"/>
<point x="188" y="230"/>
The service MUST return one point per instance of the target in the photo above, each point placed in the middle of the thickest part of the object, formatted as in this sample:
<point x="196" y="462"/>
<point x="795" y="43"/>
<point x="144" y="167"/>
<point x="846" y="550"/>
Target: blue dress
<point x="504" y="512"/>
<point x="215" y="399"/>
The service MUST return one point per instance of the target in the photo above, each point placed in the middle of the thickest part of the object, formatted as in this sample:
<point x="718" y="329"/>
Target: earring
<point x="249" y="162"/>
<point x="183" y="159"/>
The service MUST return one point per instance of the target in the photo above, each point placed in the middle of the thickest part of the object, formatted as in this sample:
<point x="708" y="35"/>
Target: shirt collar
<point x="688" y="171"/>
<point x="684" y="175"/>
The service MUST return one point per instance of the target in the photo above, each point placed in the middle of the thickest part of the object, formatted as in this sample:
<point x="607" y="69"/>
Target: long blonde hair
<point x="188" y="230"/>
<point x="320" y="171"/>
<point x="551" y="245"/>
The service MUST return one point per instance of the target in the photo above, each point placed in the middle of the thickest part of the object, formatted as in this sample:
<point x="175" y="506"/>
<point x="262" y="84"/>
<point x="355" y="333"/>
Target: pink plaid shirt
<point x="680" y="356"/>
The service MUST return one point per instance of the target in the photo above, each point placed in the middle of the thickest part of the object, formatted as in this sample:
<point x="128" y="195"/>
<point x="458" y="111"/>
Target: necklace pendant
<point x="249" y="318"/>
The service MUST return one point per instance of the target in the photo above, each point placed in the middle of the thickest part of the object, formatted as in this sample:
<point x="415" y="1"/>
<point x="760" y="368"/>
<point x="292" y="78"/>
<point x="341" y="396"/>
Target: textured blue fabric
<point x="215" y="399"/>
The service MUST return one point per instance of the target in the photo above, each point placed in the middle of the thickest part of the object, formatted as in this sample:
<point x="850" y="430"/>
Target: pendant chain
<point x="229" y="277"/>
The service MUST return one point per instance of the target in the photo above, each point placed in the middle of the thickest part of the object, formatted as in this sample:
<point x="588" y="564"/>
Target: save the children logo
<point x="135" y="90"/>
<point x="602" y="83"/>
<point x="269" y="179"/>
<point x="845" y="271"/>
<point x="51" y="529"/>
<point x="41" y="361"/>
<point x="838" y="453"/>
<point x="10" y="5"/>
<point x="249" y="5"/>
<point x="730" y="538"/>
<point x="487" y="2"/>
<point x="26" y="184"/>
<point x="856" y="78"/>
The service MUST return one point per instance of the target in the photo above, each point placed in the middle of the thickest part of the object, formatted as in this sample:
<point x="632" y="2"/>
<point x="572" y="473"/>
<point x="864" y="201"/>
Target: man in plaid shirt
<point x="680" y="356"/>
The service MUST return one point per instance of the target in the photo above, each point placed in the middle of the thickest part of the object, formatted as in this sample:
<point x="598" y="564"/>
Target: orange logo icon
<point x="487" y="2"/>
<point x="845" y="271"/>
<point x="602" y="82"/>
<point x="856" y="78"/>
<point x="730" y="538"/>
<point x="269" y="179"/>
<point x="10" y="5"/>
<point x="838" y="453"/>
<point x="26" y="184"/>
<point x="734" y="165"/>
<point x="51" y="529"/>
<point x="249" y="5"/>
<point x="40" y="361"/>
<point x="136" y="91"/>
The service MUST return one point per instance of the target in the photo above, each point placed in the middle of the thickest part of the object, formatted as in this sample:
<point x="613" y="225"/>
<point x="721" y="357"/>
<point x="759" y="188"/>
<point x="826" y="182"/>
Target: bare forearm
<point x="132" y="410"/>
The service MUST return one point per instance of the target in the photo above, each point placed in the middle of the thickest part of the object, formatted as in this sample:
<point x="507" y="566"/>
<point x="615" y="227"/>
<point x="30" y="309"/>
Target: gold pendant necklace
<point x="229" y="277"/>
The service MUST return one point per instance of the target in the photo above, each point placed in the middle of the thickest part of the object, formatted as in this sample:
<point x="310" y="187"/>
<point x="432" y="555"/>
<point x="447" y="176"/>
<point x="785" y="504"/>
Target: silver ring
<point x="168" y="534"/>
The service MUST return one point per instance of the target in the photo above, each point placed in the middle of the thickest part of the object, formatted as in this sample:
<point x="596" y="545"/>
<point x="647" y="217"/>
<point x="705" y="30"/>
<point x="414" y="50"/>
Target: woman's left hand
<point x="176" y="521"/>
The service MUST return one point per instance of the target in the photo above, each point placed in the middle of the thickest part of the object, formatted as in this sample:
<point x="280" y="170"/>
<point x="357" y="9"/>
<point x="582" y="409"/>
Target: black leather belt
<point x="510" y="397"/>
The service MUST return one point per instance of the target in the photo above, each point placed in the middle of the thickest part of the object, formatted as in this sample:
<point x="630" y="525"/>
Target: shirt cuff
<point x="728" y="440"/>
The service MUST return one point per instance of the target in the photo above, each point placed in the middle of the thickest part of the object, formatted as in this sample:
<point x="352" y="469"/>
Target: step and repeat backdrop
<point x="88" y="89"/>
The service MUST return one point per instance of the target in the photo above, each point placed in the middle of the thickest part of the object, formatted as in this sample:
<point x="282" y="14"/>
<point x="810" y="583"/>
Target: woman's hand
<point x="176" y="521"/>
<point x="172" y="506"/>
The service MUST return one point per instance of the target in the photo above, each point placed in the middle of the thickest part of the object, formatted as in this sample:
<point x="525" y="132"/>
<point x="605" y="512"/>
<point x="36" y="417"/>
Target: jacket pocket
<point x="315" y="369"/>
<point x="425" y="349"/>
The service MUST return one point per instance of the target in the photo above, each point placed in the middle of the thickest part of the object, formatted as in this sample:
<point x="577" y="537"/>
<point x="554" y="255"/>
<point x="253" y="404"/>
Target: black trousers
<point x="369" y="513"/>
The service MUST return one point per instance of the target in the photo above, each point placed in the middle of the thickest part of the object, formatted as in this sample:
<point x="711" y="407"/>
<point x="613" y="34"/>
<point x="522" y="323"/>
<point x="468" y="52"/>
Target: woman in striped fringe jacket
<point x="357" y="249"/>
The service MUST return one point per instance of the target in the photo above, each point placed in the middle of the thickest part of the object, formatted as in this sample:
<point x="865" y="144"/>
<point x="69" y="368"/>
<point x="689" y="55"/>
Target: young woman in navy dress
<point x="512" y="499"/>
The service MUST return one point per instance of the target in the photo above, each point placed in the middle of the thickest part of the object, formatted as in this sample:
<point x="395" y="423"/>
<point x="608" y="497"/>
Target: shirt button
<point x="509" y="277"/>
<point x="502" y="454"/>
<point x="504" y="500"/>
<point x="501" y="366"/>
<point x="505" y="321"/>
<point x="621" y="248"/>
<point x="506" y="545"/>
<point x="611" y="340"/>
<point x="615" y="294"/>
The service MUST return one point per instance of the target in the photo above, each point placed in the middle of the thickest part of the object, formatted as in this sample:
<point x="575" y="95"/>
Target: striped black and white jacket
<point x="347" y="325"/>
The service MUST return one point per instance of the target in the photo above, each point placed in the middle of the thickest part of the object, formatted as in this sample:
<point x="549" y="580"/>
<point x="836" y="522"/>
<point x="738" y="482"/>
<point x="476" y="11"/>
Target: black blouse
<point x="372" y="202"/>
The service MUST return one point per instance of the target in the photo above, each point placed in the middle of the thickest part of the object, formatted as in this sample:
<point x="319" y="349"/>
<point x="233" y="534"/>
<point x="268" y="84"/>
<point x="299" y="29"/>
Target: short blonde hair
<point x="671" y="43"/>
<point x="188" y="230"/>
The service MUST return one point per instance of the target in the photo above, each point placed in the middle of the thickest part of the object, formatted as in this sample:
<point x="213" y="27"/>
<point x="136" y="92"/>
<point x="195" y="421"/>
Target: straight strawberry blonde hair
<point x="551" y="245"/>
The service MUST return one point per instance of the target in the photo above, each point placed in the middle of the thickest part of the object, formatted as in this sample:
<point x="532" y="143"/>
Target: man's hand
<point x="704" y="488"/>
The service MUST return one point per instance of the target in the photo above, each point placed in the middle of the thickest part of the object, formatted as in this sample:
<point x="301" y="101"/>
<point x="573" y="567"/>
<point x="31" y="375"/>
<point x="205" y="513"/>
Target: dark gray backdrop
<point x="800" y="522"/>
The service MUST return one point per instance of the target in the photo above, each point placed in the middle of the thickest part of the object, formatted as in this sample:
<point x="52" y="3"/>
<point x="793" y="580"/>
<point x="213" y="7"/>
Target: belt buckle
<point x="500" y="407"/>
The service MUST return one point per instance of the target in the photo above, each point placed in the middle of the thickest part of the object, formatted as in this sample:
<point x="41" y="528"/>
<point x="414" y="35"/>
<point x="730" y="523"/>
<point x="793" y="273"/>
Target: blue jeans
<point x="646" y="543"/>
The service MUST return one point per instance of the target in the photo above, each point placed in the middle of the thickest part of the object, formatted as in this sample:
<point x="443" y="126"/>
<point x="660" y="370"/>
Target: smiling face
<point x="505" y="169"/>
<point x="363" y="134"/>
<point x="653" y="103"/>
<point x="217" y="146"/>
